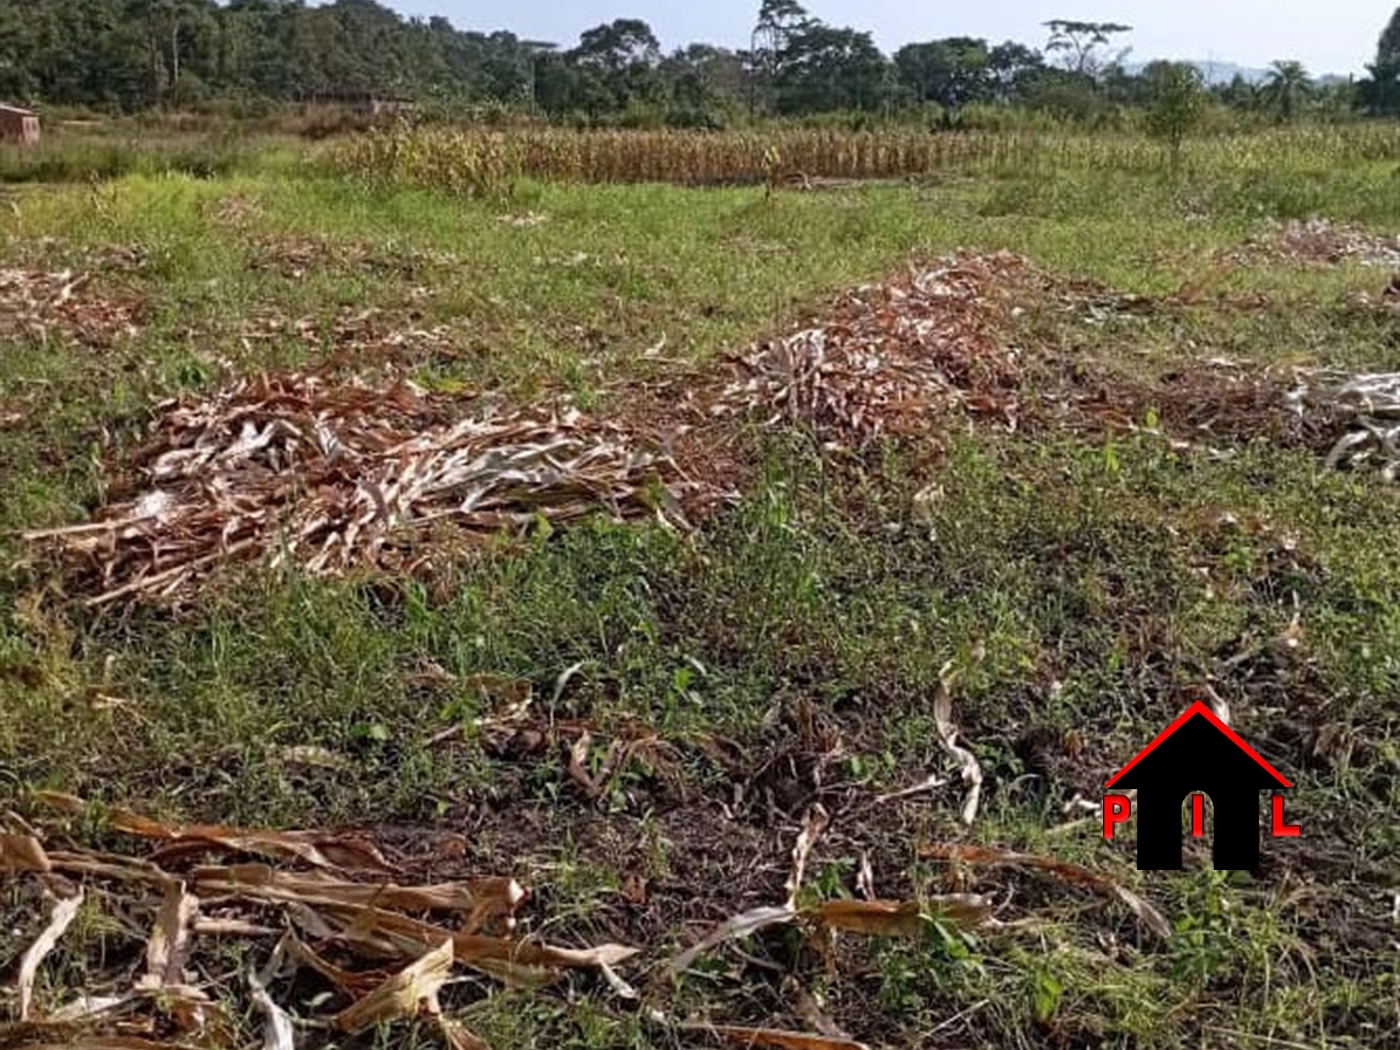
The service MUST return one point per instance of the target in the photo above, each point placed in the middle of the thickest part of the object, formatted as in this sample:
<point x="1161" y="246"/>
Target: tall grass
<point x="80" y="158"/>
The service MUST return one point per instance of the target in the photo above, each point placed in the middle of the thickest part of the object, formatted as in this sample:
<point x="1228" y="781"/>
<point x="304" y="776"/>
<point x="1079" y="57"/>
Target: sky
<point x="1336" y="36"/>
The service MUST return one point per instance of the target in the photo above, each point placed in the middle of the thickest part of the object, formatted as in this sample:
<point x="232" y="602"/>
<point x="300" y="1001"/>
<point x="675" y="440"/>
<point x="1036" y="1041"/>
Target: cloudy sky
<point x="1338" y="36"/>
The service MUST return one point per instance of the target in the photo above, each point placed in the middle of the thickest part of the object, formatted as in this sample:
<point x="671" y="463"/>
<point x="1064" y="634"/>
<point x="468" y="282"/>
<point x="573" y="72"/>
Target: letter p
<point x="1116" y="809"/>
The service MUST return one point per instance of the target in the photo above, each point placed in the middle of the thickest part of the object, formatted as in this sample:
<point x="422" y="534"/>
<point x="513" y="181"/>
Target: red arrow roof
<point x="1199" y="708"/>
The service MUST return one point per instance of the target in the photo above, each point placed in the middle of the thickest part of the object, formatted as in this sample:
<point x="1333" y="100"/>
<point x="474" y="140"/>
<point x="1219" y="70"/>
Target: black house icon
<point x="1198" y="752"/>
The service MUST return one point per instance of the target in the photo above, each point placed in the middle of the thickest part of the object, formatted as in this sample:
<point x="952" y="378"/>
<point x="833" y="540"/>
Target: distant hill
<point x="1224" y="72"/>
<point x="1215" y="72"/>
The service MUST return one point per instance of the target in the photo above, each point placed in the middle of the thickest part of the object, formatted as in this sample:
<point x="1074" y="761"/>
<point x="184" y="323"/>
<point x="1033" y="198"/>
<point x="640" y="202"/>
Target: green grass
<point x="1093" y="575"/>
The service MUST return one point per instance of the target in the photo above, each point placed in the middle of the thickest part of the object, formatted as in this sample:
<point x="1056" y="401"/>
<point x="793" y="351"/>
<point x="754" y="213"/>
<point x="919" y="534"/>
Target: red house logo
<point x="1197" y="755"/>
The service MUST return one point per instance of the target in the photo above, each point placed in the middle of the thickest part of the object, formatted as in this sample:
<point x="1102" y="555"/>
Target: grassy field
<point x="1086" y="583"/>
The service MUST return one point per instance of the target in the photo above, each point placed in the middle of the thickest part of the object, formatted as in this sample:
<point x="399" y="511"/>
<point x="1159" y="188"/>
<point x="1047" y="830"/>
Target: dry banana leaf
<point x="316" y="848"/>
<point x="23" y="853"/>
<point x="736" y="928"/>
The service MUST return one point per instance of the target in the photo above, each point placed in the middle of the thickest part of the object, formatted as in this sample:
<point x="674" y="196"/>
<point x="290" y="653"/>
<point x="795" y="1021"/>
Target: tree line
<point x="130" y="55"/>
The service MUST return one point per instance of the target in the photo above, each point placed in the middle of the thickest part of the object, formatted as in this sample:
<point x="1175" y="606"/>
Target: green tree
<point x="618" y="45"/>
<point x="778" y="21"/>
<point x="704" y="83"/>
<point x="952" y="72"/>
<point x="824" y="68"/>
<point x="1388" y="47"/>
<point x="1287" y="88"/>
<point x="1379" y="93"/>
<point x="1177" y="103"/>
<point x="1012" y="71"/>
<point x="1081" y="44"/>
<point x="621" y="58"/>
<point x="1239" y="93"/>
<point x="1067" y="95"/>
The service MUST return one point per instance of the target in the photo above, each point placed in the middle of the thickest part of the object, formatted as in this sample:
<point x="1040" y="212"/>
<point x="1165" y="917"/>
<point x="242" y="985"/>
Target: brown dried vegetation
<point x="36" y="305"/>
<point x="343" y="475"/>
<point x="338" y="474"/>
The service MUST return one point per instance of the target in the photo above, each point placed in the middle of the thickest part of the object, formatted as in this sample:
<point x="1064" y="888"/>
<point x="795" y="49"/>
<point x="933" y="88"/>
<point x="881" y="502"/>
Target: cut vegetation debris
<point x="1323" y="241"/>
<point x="236" y="209"/>
<point x="297" y="258"/>
<point x="338" y="475"/>
<point x="1217" y="405"/>
<point x="774" y="1037"/>
<point x="1365" y="407"/>
<point x="891" y="357"/>
<point x="37" y="305"/>
<point x="337" y="930"/>
<point x="948" y="737"/>
<point x="870" y="918"/>
<point x="335" y="476"/>
<point x="364" y="937"/>
<point x="972" y="856"/>
<point x="353" y="338"/>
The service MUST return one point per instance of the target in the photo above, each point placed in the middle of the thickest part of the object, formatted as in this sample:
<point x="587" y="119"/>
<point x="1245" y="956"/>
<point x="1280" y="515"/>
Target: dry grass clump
<point x="484" y="164"/>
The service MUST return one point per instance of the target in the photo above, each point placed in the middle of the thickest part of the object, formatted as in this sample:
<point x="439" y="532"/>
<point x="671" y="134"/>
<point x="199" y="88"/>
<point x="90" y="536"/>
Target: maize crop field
<point x="483" y="162"/>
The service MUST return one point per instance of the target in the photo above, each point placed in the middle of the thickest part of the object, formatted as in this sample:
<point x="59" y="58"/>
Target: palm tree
<point x="1286" y="88"/>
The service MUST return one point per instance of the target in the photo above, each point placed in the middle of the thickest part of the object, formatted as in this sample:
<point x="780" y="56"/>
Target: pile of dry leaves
<point x="891" y="357"/>
<point x="36" y="304"/>
<point x="337" y="475"/>
<point x="1330" y="243"/>
<point x="1364" y="408"/>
